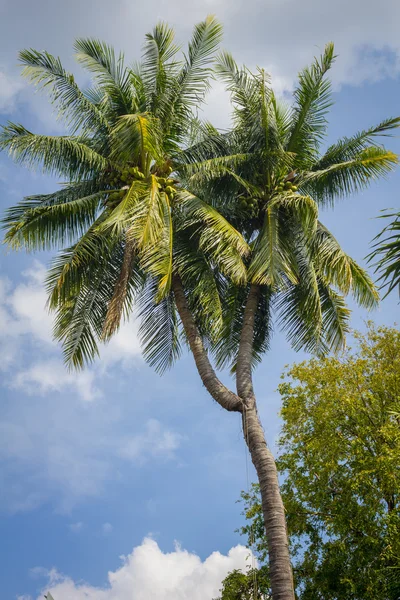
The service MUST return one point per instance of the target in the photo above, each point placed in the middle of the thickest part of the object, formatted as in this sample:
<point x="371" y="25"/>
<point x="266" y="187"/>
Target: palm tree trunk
<point x="245" y="403"/>
<point x="273" y="510"/>
<point x="274" y="514"/>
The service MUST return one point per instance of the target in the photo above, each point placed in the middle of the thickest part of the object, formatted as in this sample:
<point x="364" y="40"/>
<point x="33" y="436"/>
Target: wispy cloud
<point x="107" y="528"/>
<point x="154" y="442"/>
<point x="76" y="527"/>
<point x="27" y="345"/>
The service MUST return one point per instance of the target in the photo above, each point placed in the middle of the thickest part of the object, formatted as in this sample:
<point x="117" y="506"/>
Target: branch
<point x="216" y="389"/>
<point x="244" y="379"/>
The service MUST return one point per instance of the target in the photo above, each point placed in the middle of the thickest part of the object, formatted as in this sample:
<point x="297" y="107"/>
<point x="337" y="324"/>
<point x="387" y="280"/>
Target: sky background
<point x="116" y="484"/>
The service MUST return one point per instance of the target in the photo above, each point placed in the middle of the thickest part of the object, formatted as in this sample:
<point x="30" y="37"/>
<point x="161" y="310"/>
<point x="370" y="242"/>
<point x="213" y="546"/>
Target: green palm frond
<point x="312" y="99"/>
<point x="109" y="71"/>
<point x="270" y="262"/>
<point x="226" y="346"/>
<point x="300" y="315"/>
<point x="218" y="237"/>
<point x="340" y="270"/>
<point x="159" y="70"/>
<point x="335" y="316"/>
<point x="79" y="296"/>
<point x="343" y="179"/>
<point x="386" y="253"/>
<point x="68" y="156"/>
<point x="135" y="137"/>
<point x="199" y="278"/>
<point x="157" y="256"/>
<point x="241" y="86"/>
<point x="349" y="148"/>
<point x="47" y="72"/>
<point x="159" y="330"/>
<point x="194" y="77"/>
<point x="35" y="224"/>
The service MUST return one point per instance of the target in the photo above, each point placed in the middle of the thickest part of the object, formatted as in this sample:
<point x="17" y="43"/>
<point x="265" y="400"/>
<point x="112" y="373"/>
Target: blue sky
<point x="117" y="461"/>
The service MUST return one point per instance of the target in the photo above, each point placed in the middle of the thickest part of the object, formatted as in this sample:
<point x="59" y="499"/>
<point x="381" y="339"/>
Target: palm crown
<point x="153" y="196"/>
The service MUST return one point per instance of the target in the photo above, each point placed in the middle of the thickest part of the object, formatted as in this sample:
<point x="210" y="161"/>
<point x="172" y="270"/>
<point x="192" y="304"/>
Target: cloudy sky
<point x="116" y="484"/>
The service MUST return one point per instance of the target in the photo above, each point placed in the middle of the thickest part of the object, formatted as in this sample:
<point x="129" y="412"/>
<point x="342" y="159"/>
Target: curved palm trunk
<point x="274" y="515"/>
<point x="273" y="510"/>
<point x="245" y="403"/>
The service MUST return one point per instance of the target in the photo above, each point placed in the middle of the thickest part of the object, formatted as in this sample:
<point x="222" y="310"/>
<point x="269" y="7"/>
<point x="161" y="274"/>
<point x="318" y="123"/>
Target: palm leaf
<point x="47" y="72"/>
<point x="386" y="253"/>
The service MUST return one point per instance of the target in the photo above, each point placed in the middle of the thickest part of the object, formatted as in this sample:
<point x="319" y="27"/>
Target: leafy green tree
<point x="386" y="253"/>
<point x="340" y="456"/>
<point x="253" y="585"/>
<point x="208" y="234"/>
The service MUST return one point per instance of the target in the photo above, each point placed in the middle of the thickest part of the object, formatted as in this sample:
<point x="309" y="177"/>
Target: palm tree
<point x="297" y="273"/>
<point x="206" y="235"/>
<point x="386" y="253"/>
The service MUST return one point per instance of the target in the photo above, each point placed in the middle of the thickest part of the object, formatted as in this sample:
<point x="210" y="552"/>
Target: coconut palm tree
<point x="386" y="253"/>
<point x="297" y="273"/>
<point x="206" y="235"/>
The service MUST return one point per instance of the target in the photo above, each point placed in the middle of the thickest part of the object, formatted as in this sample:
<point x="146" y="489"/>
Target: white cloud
<point x="53" y="438"/>
<point x="107" y="528"/>
<point x="76" y="527"/>
<point x="25" y="320"/>
<point x="282" y="36"/>
<point x="154" y="442"/>
<point x="51" y="376"/>
<point x="150" y="573"/>
<point x="10" y="86"/>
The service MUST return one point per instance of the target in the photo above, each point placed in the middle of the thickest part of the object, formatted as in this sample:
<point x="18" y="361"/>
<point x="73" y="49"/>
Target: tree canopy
<point x="150" y="191"/>
<point x="340" y="458"/>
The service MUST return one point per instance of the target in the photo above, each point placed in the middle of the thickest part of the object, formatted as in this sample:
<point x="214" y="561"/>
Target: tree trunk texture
<point x="280" y="567"/>
<point x="245" y="402"/>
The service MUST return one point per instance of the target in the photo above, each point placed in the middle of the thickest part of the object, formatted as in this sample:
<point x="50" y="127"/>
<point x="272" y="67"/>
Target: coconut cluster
<point x="166" y="184"/>
<point x="249" y="205"/>
<point x="122" y="180"/>
<point x="286" y="186"/>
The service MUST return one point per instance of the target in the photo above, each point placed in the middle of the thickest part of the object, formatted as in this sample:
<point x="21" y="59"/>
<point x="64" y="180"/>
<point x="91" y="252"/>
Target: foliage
<point x="253" y="585"/>
<point x="340" y="454"/>
<point x="151" y="192"/>
<point x="386" y="253"/>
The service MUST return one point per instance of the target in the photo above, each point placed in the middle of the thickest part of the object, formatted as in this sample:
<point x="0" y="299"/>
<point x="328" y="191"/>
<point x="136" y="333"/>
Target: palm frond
<point x="349" y="148"/>
<point x="200" y="280"/>
<point x="159" y="327"/>
<point x="312" y="99"/>
<point x="116" y="305"/>
<point x="45" y="222"/>
<point x="109" y="70"/>
<point x="69" y="156"/>
<point x="340" y="270"/>
<point x="218" y="237"/>
<point x="343" y="179"/>
<point x="135" y="137"/>
<point x="197" y="69"/>
<point x="158" y="69"/>
<point x="47" y="72"/>
<point x="386" y="253"/>
<point x="335" y="316"/>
